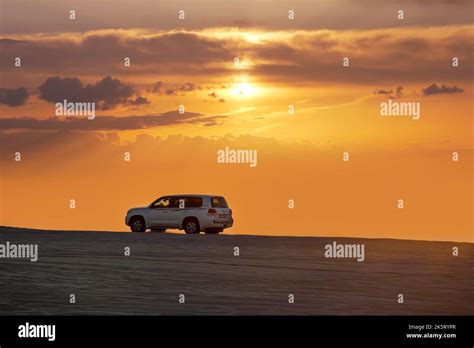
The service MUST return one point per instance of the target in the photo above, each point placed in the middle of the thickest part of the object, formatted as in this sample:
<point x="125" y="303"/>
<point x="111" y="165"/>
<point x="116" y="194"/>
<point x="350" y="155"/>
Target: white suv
<point x="191" y="213"/>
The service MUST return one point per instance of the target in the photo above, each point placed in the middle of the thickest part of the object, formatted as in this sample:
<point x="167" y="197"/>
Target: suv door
<point x="158" y="212"/>
<point x="175" y="210"/>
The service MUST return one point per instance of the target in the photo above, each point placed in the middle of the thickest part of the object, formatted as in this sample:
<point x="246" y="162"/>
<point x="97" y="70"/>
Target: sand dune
<point x="161" y="266"/>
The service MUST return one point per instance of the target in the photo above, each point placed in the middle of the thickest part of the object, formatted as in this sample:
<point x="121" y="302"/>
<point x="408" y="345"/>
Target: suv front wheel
<point x="191" y="226"/>
<point x="137" y="224"/>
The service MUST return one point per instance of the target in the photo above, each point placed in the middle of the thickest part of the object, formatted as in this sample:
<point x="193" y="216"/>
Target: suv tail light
<point x="230" y="212"/>
<point x="211" y="211"/>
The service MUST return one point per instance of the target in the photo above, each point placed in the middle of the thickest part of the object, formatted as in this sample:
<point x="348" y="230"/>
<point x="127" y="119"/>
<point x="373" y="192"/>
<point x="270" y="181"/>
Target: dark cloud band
<point x="107" y="93"/>
<point x="111" y="122"/>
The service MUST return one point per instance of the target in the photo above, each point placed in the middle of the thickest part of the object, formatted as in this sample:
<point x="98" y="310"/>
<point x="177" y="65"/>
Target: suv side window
<point x="218" y="202"/>
<point x="189" y="202"/>
<point x="194" y="202"/>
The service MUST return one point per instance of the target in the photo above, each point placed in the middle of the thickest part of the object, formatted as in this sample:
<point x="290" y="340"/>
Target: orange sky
<point x="244" y="106"/>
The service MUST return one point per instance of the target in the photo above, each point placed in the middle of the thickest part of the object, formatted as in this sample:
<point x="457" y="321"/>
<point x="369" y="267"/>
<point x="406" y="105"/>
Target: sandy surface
<point x="92" y="265"/>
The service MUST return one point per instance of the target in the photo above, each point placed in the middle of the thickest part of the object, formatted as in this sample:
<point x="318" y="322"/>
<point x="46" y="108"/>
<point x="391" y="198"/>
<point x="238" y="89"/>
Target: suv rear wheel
<point x="191" y="226"/>
<point x="137" y="224"/>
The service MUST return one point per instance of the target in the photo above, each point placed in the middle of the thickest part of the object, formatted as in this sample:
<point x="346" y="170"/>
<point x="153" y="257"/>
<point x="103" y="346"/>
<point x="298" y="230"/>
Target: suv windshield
<point x="163" y="202"/>
<point x="218" y="202"/>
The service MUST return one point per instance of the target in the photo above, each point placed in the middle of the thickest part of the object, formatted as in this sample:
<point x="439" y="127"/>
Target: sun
<point x="243" y="89"/>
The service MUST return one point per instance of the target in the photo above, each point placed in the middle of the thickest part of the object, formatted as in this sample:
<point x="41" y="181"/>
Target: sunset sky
<point x="282" y="62"/>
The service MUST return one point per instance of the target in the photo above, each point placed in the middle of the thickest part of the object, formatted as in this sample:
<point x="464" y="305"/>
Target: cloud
<point x="170" y="53"/>
<point x="398" y="92"/>
<point x="187" y="87"/>
<point x="386" y="55"/>
<point x="291" y="57"/>
<point x="443" y="89"/>
<point x="139" y="101"/>
<point x="157" y="87"/>
<point x="10" y="41"/>
<point x="214" y="95"/>
<point x="13" y="97"/>
<point x="111" y="122"/>
<point x="172" y="89"/>
<point x="383" y="91"/>
<point x="344" y="14"/>
<point x="107" y="93"/>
